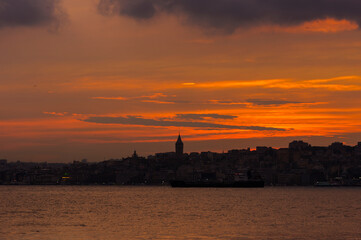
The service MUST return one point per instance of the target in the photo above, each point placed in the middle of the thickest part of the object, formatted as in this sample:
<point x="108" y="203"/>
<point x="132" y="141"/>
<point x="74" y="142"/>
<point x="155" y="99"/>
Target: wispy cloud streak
<point x="134" y="120"/>
<point x="200" y="116"/>
<point x="345" y="83"/>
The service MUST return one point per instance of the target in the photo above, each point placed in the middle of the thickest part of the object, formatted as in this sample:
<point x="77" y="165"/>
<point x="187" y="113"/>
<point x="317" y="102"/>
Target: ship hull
<point x="238" y="184"/>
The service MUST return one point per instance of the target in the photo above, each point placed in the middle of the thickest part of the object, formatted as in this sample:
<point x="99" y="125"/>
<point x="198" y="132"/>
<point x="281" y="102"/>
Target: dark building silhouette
<point x="301" y="164"/>
<point x="179" y="146"/>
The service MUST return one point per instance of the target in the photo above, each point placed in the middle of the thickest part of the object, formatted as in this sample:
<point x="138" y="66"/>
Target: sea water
<point x="119" y="212"/>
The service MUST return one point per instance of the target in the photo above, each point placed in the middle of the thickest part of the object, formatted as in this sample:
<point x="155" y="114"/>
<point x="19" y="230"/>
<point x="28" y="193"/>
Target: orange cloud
<point x="328" y="25"/>
<point x="110" y="98"/>
<point x="157" y="101"/>
<point x="56" y="113"/>
<point x="345" y="83"/>
<point x="154" y="96"/>
<point x="147" y="98"/>
<point x="231" y="84"/>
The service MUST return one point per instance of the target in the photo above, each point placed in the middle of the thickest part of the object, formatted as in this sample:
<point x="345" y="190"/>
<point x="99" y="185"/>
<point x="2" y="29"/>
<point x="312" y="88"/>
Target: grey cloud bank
<point x="228" y="15"/>
<point x="192" y="116"/>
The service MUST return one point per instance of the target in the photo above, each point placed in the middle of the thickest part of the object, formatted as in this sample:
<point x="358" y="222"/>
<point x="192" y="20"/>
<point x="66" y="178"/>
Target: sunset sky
<point x="98" y="79"/>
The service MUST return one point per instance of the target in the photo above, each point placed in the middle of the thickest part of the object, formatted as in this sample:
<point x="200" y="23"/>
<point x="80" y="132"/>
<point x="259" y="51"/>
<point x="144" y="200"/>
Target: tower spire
<point x="179" y="146"/>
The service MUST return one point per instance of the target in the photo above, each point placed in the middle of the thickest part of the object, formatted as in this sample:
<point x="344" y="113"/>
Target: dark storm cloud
<point x="193" y="116"/>
<point x="228" y="15"/>
<point x="135" y="120"/>
<point x="30" y="12"/>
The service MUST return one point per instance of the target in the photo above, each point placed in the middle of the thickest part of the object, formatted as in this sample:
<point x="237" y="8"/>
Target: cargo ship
<point x="206" y="184"/>
<point x="210" y="180"/>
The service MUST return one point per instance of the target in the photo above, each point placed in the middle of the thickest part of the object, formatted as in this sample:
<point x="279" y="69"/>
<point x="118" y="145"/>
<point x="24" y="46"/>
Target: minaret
<point x="179" y="147"/>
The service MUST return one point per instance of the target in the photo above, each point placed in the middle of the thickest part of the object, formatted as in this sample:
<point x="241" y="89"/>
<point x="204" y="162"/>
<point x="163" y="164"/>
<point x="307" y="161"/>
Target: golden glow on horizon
<point x="297" y="120"/>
